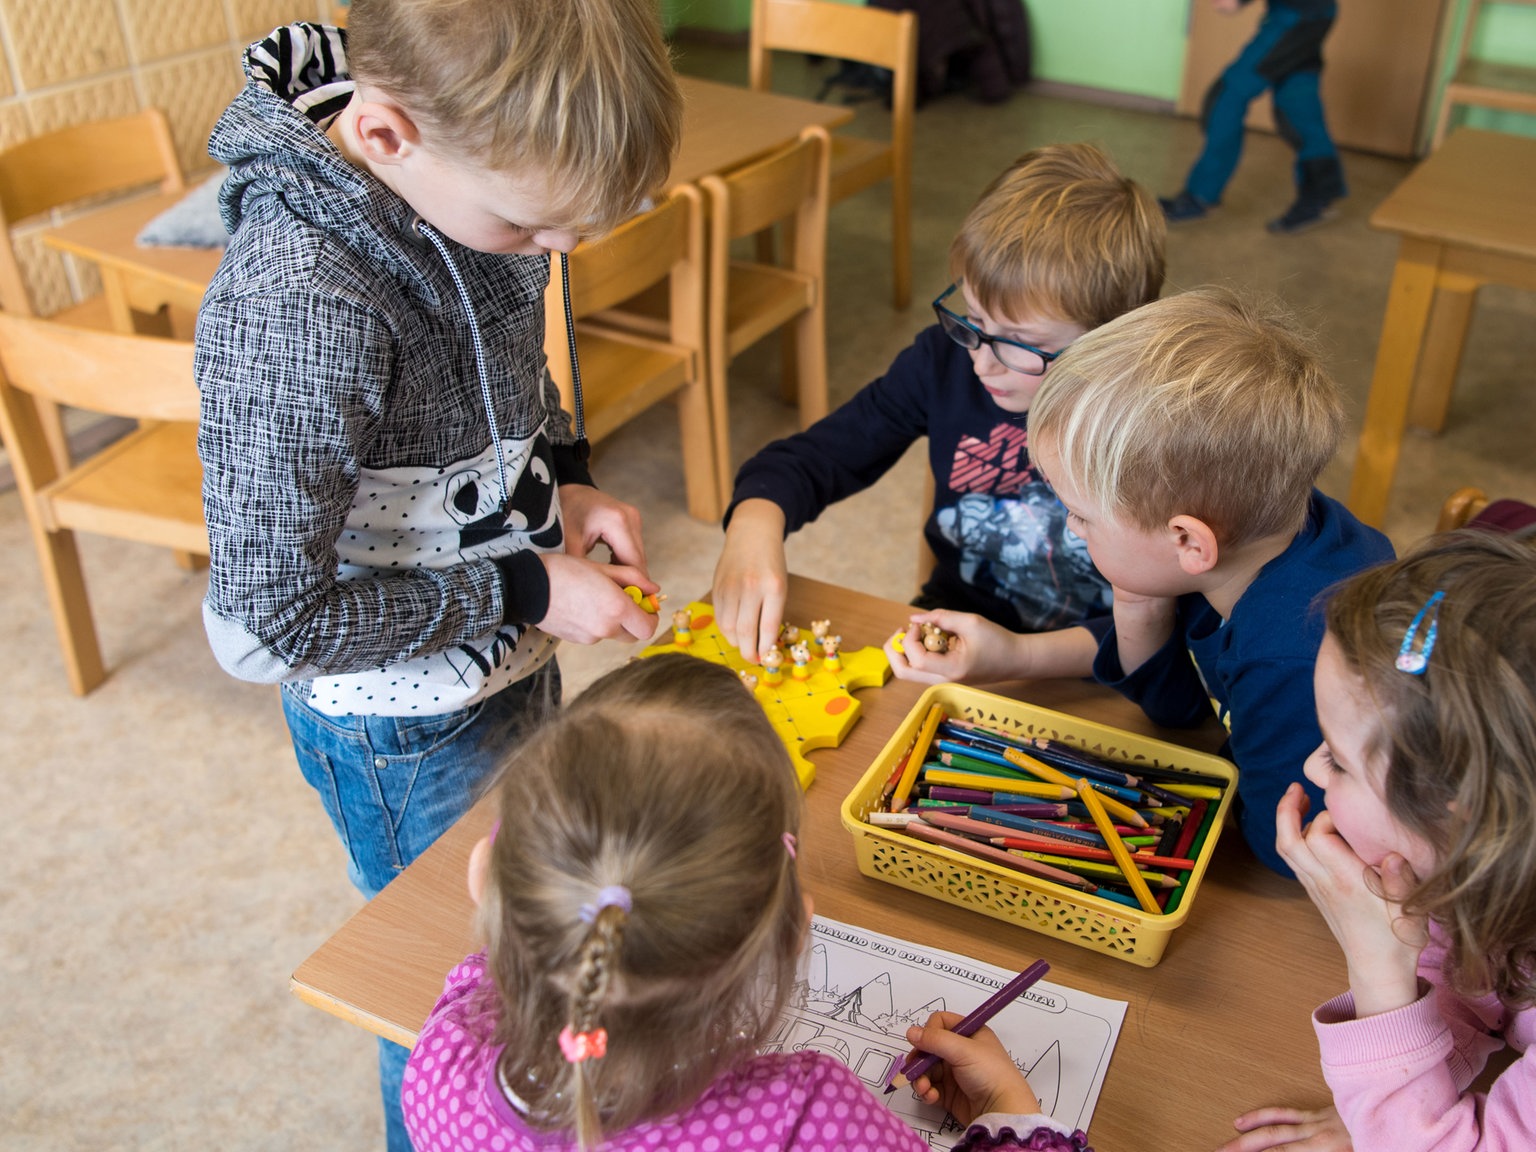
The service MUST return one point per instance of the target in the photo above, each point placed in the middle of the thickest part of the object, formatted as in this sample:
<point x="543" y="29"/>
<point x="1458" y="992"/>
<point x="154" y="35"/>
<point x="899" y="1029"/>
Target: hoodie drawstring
<point x="582" y="448"/>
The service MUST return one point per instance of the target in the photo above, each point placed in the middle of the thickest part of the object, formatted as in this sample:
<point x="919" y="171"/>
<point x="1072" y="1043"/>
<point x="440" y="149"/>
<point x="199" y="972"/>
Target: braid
<point x="595" y="965"/>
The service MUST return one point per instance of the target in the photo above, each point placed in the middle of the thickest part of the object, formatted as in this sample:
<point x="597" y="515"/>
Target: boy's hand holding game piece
<point x="587" y="601"/>
<point x="981" y="652"/>
<point x="751" y="581"/>
<point x="976" y="1075"/>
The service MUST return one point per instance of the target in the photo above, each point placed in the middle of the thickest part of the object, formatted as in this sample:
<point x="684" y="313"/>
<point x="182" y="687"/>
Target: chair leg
<point x="811" y="354"/>
<point x="720" y="421"/>
<point x="901" y="243"/>
<point x="701" y="471"/>
<point x="51" y="417"/>
<point x="191" y="561"/>
<point x="65" y="584"/>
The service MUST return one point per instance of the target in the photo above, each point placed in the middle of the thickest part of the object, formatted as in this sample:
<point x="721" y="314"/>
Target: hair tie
<point x="580" y="1046"/>
<point x="1414" y="660"/>
<point x="790" y="845"/>
<point x="613" y="896"/>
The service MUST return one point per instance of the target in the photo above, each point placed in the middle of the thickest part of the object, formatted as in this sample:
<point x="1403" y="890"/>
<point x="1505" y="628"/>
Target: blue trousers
<point x="392" y="785"/>
<point x="1286" y="56"/>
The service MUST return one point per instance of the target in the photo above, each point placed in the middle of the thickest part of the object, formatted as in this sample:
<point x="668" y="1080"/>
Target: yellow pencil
<point x="1056" y="776"/>
<point x="998" y="784"/>
<point x="1117" y="847"/>
<point x="1193" y="791"/>
<point x="915" y="760"/>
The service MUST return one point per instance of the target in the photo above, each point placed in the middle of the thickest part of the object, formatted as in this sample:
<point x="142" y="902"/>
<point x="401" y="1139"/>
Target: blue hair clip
<point x="1414" y="660"/>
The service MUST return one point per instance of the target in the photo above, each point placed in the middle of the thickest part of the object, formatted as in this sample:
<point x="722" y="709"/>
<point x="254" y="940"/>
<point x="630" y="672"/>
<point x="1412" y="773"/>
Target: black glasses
<point x="1021" y="357"/>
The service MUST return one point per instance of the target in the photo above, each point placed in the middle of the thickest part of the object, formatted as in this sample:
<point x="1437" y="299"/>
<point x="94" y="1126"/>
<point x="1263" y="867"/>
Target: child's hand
<point x="751" y="582"/>
<point x="1381" y="943"/>
<point x="592" y="517"/>
<point x="587" y="601"/>
<point x="983" y="652"/>
<point x="980" y="652"/>
<point x="1293" y="1129"/>
<point x="977" y="1074"/>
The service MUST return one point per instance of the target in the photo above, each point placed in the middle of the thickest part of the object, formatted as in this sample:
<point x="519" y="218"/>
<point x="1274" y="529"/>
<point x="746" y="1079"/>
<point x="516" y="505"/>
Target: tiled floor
<point x="167" y="866"/>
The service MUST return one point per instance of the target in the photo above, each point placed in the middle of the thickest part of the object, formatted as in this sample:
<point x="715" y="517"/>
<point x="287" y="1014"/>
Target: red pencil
<point x="1083" y="852"/>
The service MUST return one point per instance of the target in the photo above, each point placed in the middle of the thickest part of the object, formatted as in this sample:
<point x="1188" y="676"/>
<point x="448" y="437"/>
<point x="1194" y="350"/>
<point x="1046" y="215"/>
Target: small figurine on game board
<point x="788" y="635"/>
<point x="651" y="602"/>
<point x="772" y="660"/>
<point x="935" y="639"/>
<point x="800" y="653"/>
<point x="748" y="680"/>
<point x="820" y="628"/>
<point x="682" y="628"/>
<point x="829" y="645"/>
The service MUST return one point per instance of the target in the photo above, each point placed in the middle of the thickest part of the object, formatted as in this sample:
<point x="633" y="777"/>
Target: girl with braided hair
<point x="643" y="921"/>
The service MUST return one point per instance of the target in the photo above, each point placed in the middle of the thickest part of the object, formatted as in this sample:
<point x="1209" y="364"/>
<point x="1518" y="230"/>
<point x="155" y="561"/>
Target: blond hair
<point x="664" y="777"/>
<point x="581" y="90"/>
<point x="1460" y="741"/>
<point x="1061" y="232"/>
<point x="1201" y="404"/>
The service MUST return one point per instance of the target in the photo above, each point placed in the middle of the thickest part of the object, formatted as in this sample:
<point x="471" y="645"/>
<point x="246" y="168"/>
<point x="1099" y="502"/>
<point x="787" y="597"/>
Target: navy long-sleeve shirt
<point x="1255" y="668"/>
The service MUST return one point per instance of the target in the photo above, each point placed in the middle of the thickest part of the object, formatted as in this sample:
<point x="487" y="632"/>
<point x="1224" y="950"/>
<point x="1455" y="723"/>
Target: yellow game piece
<point x="815" y="712"/>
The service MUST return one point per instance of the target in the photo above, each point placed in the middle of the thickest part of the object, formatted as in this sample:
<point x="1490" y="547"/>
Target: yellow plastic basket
<point x="946" y="874"/>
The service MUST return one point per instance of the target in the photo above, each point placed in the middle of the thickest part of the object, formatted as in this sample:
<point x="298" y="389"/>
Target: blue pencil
<point x="1037" y="827"/>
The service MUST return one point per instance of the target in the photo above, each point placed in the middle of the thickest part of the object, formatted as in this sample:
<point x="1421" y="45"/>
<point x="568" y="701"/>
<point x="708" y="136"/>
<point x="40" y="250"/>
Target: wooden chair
<point x="1459" y="507"/>
<point x="748" y="299"/>
<point x="871" y="36"/>
<point x="146" y="486"/>
<point x="625" y="372"/>
<point x="1484" y="83"/>
<point x="61" y="168"/>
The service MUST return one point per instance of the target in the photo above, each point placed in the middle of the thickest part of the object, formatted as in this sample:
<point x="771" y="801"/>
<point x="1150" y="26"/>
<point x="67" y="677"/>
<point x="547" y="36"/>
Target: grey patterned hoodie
<point x="381" y="444"/>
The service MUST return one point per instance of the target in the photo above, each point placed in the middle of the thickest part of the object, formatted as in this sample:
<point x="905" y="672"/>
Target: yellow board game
<point x="815" y="709"/>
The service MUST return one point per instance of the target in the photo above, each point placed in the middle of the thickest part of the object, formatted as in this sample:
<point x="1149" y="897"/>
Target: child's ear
<point x="479" y="868"/>
<point x="1196" y="544"/>
<point x="385" y="131"/>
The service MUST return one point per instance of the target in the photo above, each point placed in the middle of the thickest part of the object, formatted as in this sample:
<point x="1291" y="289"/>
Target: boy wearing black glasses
<point x="1058" y="244"/>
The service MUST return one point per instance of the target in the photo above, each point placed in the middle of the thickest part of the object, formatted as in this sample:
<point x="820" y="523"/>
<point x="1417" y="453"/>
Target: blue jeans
<point x="1285" y="55"/>
<point x="391" y="785"/>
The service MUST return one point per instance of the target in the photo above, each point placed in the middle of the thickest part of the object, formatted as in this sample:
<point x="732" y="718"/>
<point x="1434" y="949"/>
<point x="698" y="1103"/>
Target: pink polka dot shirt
<point x="800" y="1102"/>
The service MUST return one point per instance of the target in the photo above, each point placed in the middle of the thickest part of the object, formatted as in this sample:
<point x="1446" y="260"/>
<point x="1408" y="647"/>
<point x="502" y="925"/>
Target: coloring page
<point x="861" y="991"/>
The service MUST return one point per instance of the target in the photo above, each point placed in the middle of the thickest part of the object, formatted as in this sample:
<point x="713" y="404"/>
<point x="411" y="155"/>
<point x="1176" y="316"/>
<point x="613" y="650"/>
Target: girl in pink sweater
<point x="644" y="919"/>
<point x="1424" y="861"/>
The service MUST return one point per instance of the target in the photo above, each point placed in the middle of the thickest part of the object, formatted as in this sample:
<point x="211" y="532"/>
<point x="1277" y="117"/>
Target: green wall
<point x="1505" y="33"/>
<point x="1137" y="46"/>
<point x="1134" y="46"/>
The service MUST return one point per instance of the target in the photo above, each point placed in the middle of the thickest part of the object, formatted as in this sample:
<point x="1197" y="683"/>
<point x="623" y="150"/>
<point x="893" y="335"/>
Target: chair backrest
<point x="875" y="36"/>
<point x="140" y="377"/>
<point x="75" y="163"/>
<point x="666" y="241"/>
<point x="789" y="183"/>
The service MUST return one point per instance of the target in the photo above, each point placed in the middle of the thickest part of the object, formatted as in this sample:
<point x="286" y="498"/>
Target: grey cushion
<point x="192" y="222"/>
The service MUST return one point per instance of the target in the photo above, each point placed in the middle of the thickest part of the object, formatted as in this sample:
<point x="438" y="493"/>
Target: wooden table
<point x="1467" y="217"/>
<point x="1219" y="1026"/>
<point x="724" y="127"/>
<point x="137" y="277"/>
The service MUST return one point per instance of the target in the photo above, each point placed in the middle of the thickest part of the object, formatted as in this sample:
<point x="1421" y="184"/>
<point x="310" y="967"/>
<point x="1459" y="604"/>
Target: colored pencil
<point x="1061" y="848"/>
<point x="1039" y="827"/>
<point x="1193" y="791"/>
<point x="1093" y="868"/>
<point x="975" y="759"/>
<point x="1121" y="809"/>
<point x="919" y="1065"/>
<point x="933" y="835"/>
<point x="890" y="784"/>
<point x="915" y="761"/>
<point x="1201" y="815"/>
<point x="998" y="784"/>
<point x="1121" y="853"/>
